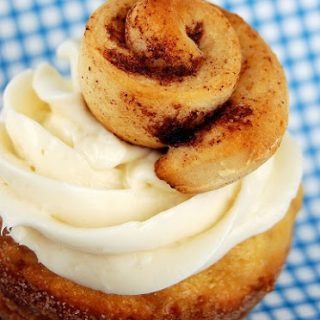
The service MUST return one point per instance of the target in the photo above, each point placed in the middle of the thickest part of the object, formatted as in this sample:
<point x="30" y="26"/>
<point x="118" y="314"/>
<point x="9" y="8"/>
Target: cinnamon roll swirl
<point x="187" y="76"/>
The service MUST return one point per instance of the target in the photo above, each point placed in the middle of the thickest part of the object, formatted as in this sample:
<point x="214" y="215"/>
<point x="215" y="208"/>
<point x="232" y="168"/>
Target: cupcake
<point x="157" y="183"/>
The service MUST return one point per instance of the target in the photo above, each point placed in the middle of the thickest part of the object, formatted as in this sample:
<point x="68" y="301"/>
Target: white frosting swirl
<point x="91" y="207"/>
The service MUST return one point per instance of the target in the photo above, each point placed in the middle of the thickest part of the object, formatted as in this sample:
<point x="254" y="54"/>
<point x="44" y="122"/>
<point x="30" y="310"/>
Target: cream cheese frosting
<point x="91" y="207"/>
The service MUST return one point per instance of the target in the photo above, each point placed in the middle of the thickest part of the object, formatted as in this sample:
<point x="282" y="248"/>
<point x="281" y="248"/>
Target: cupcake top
<point x="103" y="219"/>
<point x="128" y="217"/>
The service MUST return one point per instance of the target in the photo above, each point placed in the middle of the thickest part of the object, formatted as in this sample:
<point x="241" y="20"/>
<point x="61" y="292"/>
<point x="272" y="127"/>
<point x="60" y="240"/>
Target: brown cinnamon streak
<point x="141" y="65"/>
<point x="190" y="130"/>
<point x="195" y="32"/>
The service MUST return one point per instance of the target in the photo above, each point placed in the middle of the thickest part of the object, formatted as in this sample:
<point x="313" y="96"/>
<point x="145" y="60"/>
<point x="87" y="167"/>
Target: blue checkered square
<point x="31" y="30"/>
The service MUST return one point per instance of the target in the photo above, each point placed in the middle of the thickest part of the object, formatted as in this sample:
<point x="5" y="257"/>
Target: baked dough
<point x="188" y="76"/>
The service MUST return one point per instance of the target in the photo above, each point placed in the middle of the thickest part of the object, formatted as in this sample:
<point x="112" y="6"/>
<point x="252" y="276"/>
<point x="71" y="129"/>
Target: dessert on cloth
<point x="157" y="183"/>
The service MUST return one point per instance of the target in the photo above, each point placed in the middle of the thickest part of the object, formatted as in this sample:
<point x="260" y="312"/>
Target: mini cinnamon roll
<point x="186" y="76"/>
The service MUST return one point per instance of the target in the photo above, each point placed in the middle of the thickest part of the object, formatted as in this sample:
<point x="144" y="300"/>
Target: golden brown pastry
<point x="166" y="73"/>
<point x="225" y="291"/>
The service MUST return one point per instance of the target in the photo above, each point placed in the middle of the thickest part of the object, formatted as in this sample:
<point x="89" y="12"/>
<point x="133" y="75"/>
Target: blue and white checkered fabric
<point x="30" y="31"/>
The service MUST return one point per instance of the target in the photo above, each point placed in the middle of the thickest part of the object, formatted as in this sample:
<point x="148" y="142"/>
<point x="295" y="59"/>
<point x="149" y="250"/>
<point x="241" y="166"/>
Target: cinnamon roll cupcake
<point x="159" y="182"/>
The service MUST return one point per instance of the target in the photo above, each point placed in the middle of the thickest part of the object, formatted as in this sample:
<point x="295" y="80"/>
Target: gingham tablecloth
<point x="31" y="30"/>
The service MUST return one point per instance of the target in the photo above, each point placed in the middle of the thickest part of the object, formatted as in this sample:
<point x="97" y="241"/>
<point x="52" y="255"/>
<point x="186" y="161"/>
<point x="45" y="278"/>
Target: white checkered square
<point x="314" y="290"/>
<point x="308" y="166"/>
<point x="294" y="295"/>
<point x="51" y="17"/>
<point x="286" y="7"/>
<point x="296" y="257"/>
<point x="307" y="233"/>
<point x="15" y="69"/>
<point x="315" y="43"/>
<point x="274" y="299"/>
<point x="34" y="45"/>
<point x="313" y="251"/>
<point x="264" y="10"/>
<point x="305" y="274"/>
<point x="305" y="311"/>
<point x="297" y="48"/>
<point x="55" y="37"/>
<point x="270" y="32"/>
<point x="73" y="11"/>
<point x="315" y="139"/>
<point x="292" y="27"/>
<point x="309" y="4"/>
<point x="11" y="51"/>
<point x="286" y="279"/>
<point x="308" y="92"/>
<point x="28" y="22"/>
<point x="283" y="314"/>
<point x="4" y="8"/>
<point x="312" y="21"/>
<point x="8" y="28"/>
<point x="302" y="70"/>
<point x="315" y="208"/>
<point x="311" y="186"/>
